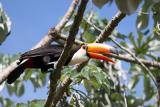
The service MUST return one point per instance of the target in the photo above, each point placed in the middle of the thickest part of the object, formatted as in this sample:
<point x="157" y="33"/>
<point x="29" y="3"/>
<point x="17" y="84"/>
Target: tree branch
<point x="128" y="58"/>
<point x="55" y="75"/>
<point x="110" y="27"/>
<point x="52" y="35"/>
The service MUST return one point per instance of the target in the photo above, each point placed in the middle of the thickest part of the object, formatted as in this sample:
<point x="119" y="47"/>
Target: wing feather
<point x="43" y="51"/>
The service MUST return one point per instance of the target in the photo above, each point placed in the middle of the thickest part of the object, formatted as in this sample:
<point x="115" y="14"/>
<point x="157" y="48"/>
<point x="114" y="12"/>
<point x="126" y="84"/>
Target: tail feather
<point x="15" y="74"/>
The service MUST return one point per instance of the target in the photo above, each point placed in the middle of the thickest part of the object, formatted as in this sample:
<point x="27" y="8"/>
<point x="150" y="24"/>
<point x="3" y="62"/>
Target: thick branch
<point x="61" y="89"/>
<point x="110" y="27"/>
<point x="55" y="75"/>
<point x="128" y="58"/>
<point x="45" y="41"/>
<point x="64" y="37"/>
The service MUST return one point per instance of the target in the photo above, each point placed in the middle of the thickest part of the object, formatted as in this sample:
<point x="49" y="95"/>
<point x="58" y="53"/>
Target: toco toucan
<point x="44" y="57"/>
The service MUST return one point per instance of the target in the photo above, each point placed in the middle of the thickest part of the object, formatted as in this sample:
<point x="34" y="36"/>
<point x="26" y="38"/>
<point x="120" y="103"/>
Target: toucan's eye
<point x="84" y="46"/>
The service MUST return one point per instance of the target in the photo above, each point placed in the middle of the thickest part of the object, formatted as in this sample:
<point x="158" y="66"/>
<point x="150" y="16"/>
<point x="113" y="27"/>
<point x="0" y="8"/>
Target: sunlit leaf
<point x="19" y="89"/>
<point x="21" y="105"/>
<point x="28" y="74"/>
<point x="142" y="21"/>
<point x="5" y="25"/>
<point x="100" y="3"/>
<point x="11" y="89"/>
<point x="128" y="6"/>
<point x="148" y="88"/>
<point x="34" y="103"/>
<point x="116" y="96"/>
<point x="155" y="10"/>
<point x="89" y="36"/>
<point x="132" y="40"/>
<point x="133" y="82"/>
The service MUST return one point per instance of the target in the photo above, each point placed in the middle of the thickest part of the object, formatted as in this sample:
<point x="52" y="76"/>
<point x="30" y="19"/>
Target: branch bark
<point x="56" y="74"/>
<point x="51" y="36"/>
<point x="110" y="27"/>
<point x="128" y="58"/>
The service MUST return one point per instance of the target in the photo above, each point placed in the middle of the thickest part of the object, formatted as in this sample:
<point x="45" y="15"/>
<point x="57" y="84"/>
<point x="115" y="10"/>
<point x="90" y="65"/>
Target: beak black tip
<point x="114" y="51"/>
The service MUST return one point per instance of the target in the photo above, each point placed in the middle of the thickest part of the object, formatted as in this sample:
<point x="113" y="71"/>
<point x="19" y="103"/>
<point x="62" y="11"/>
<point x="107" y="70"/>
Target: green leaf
<point x="134" y="102"/>
<point x="11" y="89"/>
<point x="100" y="3"/>
<point x="148" y="88"/>
<point x="28" y="74"/>
<point x="21" y="105"/>
<point x="156" y="15"/>
<point x="119" y="35"/>
<point x="123" y="43"/>
<point x="87" y="85"/>
<point x="95" y="77"/>
<point x="142" y="21"/>
<point x="145" y="46"/>
<point x="9" y="103"/>
<point x="133" y="82"/>
<point x="94" y="82"/>
<point x="132" y="40"/>
<point x="117" y="96"/>
<point x="43" y="79"/>
<point x="140" y="38"/>
<point x="34" y="103"/>
<point x="69" y="72"/>
<point x="128" y="6"/>
<point x="5" y="25"/>
<point x="89" y="36"/>
<point x="154" y="46"/>
<point x="19" y="89"/>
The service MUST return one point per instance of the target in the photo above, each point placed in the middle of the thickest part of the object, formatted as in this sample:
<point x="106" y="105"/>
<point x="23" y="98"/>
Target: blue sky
<point x="31" y="20"/>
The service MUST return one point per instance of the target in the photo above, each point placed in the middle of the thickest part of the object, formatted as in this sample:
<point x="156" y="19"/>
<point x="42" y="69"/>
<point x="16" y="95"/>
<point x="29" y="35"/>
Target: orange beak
<point x="94" y="50"/>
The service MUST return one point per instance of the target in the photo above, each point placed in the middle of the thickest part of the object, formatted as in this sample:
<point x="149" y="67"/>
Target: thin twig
<point x="124" y="96"/>
<point x="64" y="37"/>
<point x="158" y="94"/>
<point x="80" y="92"/>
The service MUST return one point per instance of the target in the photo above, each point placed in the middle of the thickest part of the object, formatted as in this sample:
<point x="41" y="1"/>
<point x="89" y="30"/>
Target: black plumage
<point x="39" y="58"/>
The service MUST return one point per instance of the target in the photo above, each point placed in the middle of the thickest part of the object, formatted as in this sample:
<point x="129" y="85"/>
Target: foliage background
<point x="103" y="85"/>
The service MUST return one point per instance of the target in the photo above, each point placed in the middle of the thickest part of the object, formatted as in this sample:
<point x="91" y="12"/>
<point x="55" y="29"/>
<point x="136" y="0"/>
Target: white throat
<point x="79" y="56"/>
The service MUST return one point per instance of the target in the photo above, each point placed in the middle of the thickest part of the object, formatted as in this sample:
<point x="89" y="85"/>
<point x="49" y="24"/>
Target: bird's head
<point x="92" y="50"/>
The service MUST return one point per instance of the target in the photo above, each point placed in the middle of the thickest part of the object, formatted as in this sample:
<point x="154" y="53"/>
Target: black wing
<point x="43" y="51"/>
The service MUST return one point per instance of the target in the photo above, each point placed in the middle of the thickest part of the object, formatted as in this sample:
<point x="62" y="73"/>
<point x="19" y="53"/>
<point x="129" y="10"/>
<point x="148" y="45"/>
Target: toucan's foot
<point x="18" y="62"/>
